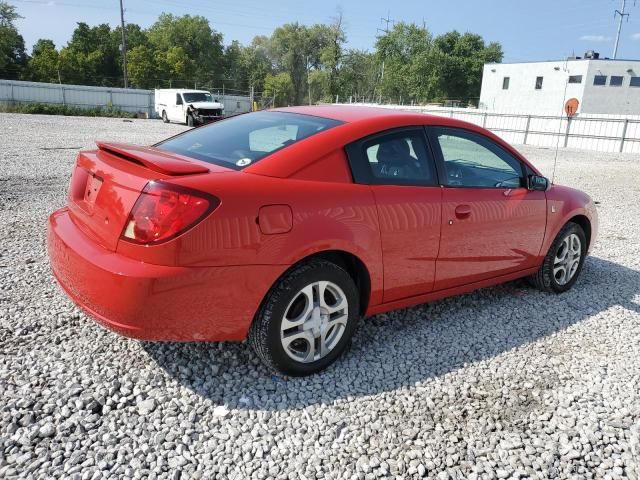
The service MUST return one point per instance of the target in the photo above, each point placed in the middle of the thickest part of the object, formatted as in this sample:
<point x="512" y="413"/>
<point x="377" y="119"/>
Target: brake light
<point x="164" y="211"/>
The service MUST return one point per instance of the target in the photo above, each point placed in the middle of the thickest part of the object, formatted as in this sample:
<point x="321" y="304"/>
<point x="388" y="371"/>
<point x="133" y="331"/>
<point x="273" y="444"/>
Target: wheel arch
<point x="584" y="223"/>
<point x="353" y="265"/>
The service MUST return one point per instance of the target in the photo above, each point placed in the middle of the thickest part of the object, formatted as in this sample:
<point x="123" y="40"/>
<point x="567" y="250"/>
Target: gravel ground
<point x="506" y="382"/>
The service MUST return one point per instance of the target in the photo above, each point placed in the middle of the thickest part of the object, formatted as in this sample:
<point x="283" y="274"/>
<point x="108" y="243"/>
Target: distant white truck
<point x="191" y="107"/>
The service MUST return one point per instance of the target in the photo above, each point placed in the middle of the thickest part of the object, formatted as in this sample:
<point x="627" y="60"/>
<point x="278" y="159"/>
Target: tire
<point x="165" y="119"/>
<point x="189" y="120"/>
<point x="545" y="278"/>
<point x="288" y="301"/>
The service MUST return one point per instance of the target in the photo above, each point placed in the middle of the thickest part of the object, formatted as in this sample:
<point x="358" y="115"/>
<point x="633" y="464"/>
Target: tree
<point x="91" y="57"/>
<point x="193" y="38"/>
<point x="358" y="75"/>
<point x="405" y="53"/>
<point x="280" y="87"/>
<point x="461" y="58"/>
<point x="142" y="67"/>
<point x="234" y="74"/>
<point x="43" y="64"/>
<point x="13" y="56"/>
<point x="331" y="54"/>
<point x="289" y="45"/>
<point x="257" y="62"/>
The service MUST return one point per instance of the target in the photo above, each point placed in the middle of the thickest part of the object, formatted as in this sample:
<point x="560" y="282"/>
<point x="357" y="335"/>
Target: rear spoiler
<point x="153" y="158"/>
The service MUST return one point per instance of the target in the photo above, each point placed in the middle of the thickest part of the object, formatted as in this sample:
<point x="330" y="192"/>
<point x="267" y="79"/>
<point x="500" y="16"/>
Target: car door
<point x="400" y="169"/>
<point x="177" y="110"/>
<point x="491" y="223"/>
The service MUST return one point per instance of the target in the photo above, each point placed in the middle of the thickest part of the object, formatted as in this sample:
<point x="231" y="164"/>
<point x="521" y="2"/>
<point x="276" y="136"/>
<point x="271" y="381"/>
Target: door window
<point x="471" y="160"/>
<point x="178" y="99"/>
<point x="398" y="158"/>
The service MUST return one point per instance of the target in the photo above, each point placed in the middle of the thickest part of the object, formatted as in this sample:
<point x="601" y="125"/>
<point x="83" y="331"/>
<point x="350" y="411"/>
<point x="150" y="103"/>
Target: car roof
<point x="352" y="113"/>
<point x="359" y="122"/>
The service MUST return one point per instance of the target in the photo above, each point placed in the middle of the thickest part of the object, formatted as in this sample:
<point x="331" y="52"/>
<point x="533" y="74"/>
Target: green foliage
<point x="187" y="48"/>
<point x="419" y="68"/>
<point x="281" y="88"/>
<point x="295" y="62"/>
<point x="43" y="64"/>
<point x="13" y="57"/>
<point x="68" y="110"/>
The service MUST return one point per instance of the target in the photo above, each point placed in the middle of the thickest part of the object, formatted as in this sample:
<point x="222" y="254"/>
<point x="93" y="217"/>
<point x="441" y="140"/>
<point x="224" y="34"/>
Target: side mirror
<point x="537" y="182"/>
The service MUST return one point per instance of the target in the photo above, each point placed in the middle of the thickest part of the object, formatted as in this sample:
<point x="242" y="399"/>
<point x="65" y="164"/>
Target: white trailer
<point x="191" y="107"/>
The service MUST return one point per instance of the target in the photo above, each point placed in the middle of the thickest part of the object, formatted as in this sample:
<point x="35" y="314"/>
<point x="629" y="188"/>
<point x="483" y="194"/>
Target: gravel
<point x="506" y="382"/>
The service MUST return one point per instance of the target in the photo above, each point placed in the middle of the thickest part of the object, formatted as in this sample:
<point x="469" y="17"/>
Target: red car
<point x="287" y="226"/>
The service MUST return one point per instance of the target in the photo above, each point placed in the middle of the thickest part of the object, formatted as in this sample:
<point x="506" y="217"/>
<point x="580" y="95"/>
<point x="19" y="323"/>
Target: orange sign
<point x="571" y="107"/>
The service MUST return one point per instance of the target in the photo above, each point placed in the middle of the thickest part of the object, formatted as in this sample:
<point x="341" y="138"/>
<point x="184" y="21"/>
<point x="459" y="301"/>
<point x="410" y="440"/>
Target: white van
<point x="192" y="107"/>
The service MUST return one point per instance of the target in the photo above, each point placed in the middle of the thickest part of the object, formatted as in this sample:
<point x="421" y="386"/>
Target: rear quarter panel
<point x="326" y="216"/>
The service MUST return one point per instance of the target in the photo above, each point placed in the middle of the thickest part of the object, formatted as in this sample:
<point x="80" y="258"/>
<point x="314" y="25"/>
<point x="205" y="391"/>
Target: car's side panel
<point x="502" y="233"/>
<point x="410" y="234"/>
<point x="563" y="204"/>
<point x="450" y="292"/>
<point x="326" y="216"/>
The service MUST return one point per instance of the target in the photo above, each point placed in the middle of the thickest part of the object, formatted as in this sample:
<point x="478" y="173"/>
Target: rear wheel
<point x="564" y="261"/>
<point x="307" y="319"/>
<point x="165" y="119"/>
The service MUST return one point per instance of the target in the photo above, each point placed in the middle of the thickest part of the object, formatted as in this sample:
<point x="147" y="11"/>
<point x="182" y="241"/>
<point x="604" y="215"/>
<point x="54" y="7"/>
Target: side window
<point x="399" y="158"/>
<point x="178" y="99"/>
<point x="472" y="160"/>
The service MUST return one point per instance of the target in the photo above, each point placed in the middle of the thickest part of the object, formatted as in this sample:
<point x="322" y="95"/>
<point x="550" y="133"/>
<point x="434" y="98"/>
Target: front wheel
<point x="307" y="319"/>
<point x="564" y="261"/>
<point x="190" y="122"/>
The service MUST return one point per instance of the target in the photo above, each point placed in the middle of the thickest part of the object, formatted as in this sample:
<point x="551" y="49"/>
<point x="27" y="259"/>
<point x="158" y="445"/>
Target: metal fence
<point x="129" y="100"/>
<point x="605" y="133"/>
<point x="14" y="92"/>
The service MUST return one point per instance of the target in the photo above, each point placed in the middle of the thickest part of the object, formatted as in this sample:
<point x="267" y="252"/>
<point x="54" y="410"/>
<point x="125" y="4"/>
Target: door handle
<point x="463" y="211"/>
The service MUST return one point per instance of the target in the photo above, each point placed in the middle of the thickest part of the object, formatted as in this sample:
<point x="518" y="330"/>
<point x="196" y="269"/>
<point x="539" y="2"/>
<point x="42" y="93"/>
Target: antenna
<point x="565" y="69"/>
<point x="622" y="15"/>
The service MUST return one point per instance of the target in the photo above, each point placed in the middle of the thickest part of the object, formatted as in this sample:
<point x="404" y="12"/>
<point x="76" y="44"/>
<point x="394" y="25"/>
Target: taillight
<point x="164" y="211"/>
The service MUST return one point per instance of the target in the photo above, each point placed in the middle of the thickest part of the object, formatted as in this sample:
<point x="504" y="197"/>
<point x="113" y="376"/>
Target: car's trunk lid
<point x="107" y="182"/>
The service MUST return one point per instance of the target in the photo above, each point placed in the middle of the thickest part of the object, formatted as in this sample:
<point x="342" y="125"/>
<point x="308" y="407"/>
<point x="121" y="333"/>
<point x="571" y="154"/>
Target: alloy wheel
<point x="567" y="259"/>
<point x="314" y="321"/>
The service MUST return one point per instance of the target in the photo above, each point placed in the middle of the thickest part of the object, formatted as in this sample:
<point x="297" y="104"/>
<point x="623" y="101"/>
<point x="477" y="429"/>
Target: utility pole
<point x="387" y="21"/>
<point x="308" y="80"/>
<point x="385" y="30"/>
<point x="124" y="47"/>
<point x="622" y="14"/>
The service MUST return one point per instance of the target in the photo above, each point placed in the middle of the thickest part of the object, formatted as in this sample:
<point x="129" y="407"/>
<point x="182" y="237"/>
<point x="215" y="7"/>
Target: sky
<point x="527" y="30"/>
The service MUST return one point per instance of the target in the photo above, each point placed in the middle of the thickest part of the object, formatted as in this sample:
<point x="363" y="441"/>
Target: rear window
<point x="243" y="140"/>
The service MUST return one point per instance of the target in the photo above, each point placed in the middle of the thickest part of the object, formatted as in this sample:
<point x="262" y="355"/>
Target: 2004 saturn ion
<point x="287" y="226"/>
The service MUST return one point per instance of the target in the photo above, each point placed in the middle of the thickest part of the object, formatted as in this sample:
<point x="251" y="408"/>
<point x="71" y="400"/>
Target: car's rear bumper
<point x="154" y="302"/>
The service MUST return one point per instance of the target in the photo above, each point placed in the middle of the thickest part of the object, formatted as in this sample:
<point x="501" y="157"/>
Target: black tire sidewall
<point x="280" y="297"/>
<point x="567" y="230"/>
<point x="165" y="119"/>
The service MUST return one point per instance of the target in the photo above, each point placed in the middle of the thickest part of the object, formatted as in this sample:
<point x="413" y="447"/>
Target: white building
<point x="602" y="86"/>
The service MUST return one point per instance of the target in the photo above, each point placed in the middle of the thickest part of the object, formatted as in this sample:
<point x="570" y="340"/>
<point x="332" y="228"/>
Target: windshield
<point x="197" y="97"/>
<point x="243" y="140"/>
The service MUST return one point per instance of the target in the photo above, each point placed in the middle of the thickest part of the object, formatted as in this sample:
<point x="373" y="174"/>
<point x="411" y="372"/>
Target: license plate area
<point x="94" y="183"/>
